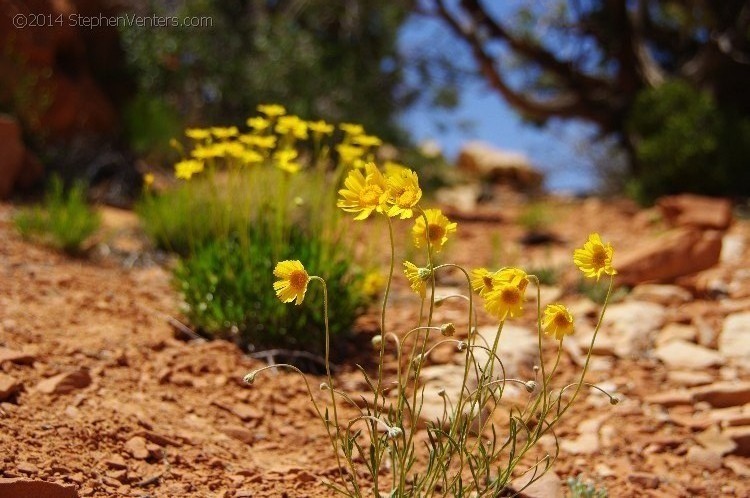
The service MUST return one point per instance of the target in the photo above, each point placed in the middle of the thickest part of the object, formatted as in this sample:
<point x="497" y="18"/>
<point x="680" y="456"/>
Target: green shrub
<point x="687" y="143"/>
<point x="227" y="288"/>
<point x="547" y="275"/>
<point x="63" y="221"/>
<point x="245" y="206"/>
<point x="581" y="489"/>
<point x="535" y="217"/>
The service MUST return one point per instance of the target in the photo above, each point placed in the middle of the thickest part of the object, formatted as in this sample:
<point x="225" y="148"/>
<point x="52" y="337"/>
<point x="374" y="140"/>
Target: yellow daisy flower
<point x="557" y="321"/>
<point x="223" y="133"/>
<point x="349" y="153"/>
<point x="507" y="294"/>
<point x="197" y="133"/>
<point x="187" y="168"/>
<point x="352" y="129"/>
<point x="481" y="280"/>
<point x="363" y="193"/>
<point x="272" y="110"/>
<point x="403" y="193"/>
<point x="595" y="258"/>
<point x="251" y="157"/>
<point x="417" y="278"/>
<point x="148" y="180"/>
<point x="438" y="228"/>
<point x="207" y="152"/>
<point x="367" y="141"/>
<point x="285" y="160"/>
<point x="320" y="127"/>
<point x="292" y="125"/>
<point x="372" y="283"/>
<point x="293" y="281"/>
<point x="258" y="123"/>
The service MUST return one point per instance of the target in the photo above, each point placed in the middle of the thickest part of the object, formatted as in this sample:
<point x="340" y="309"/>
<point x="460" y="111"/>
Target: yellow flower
<point x="292" y="125"/>
<point x="438" y="229"/>
<point x="352" y="129"/>
<point x="506" y="297"/>
<point x="349" y="153"/>
<point x="223" y="133"/>
<point x="197" y="133"/>
<point x="207" y="152"/>
<point x="417" y="278"/>
<point x="148" y="180"/>
<point x="481" y="280"/>
<point x="393" y="168"/>
<point x="557" y="321"/>
<point x="272" y="110"/>
<point x="320" y="127"/>
<point x="230" y="149"/>
<point x="265" y="142"/>
<point x="293" y="283"/>
<point x="403" y="193"/>
<point x="187" y="168"/>
<point x="367" y="141"/>
<point x="285" y="160"/>
<point x="372" y="283"/>
<point x="595" y="258"/>
<point x="258" y="123"/>
<point x="251" y="157"/>
<point x="363" y="193"/>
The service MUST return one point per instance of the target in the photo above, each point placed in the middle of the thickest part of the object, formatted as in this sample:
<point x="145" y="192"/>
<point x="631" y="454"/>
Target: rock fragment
<point x="65" y="382"/>
<point x="8" y="386"/>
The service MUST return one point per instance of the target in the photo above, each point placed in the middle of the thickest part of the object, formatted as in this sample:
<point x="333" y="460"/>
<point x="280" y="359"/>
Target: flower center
<point x="407" y="198"/>
<point x="435" y="232"/>
<point x="511" y="295"/>
<point x="298" y="280"/>
<point x="561" y="320"/>
<point x="370" y="195"/>
<point x="599" y="257"/>
<point x="487" y="280"/>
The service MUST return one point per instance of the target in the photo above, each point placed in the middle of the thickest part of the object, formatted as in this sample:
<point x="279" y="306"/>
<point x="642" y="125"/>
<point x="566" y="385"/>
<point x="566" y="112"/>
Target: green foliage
<point x="150" y="123"/>
<point x="547" y="275"/>
<point x="63" y="221"/>
<point x="597" y="292"/>
<point x="227" y="286"/>
<point x="582" y="489"/>
<point x="534" y="217"/>
<point x="687" y="143"/>
<point x="333" y="60"/>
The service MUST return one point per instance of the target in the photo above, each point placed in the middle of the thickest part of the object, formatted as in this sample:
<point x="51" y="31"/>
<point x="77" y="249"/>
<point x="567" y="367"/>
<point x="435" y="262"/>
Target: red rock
<point x="159" y="439"/>
<point x="8" y="386"/>
<point x="644" y="479"/>
<point x="65" y="382"/>
<point x="11" y="160"/>
<point x="696" y="211"/>
<point x="21" y="488"/>
<point x="679" y="252"/>
<point x="741" y="437"/>
<point x="499" y="166"/>
<point x="116" y="462"/>
<point x="708" y="459"/>
<point x="137" y="447"/>
<point x="242" y="411"/>
<point x="239" y="432"/>
<point x="548" y="485"/>
<point x="724" y="394"/>
<point x="17" y="357"/>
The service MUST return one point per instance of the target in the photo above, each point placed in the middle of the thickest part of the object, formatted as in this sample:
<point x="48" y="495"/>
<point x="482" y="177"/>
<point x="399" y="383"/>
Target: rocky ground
<point x="101" y="395"/>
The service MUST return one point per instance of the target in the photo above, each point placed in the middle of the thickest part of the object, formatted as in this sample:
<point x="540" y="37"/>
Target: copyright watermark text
<point x="21" y="21"/>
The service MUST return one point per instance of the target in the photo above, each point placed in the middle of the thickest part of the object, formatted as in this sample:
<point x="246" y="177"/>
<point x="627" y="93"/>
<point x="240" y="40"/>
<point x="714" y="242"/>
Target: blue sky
<point x="554" y="149"/>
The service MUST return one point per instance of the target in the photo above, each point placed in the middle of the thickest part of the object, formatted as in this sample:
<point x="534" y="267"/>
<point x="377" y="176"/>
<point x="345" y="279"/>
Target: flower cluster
<point x="272" y="136"/>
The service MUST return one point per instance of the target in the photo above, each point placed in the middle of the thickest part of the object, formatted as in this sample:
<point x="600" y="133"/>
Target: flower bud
<point x="448" y="329"/>
<point x="461" y="345"/>
<point x="441" y="392"/>
<point x="417" y="361"/>
<point x="377" y="341"/>
<point x="530" y="386"/>
<point x="323" y="386"/>
<point x="613" y="400"/>
<point x="394" y="432"/>
<point x="250" y="378"/>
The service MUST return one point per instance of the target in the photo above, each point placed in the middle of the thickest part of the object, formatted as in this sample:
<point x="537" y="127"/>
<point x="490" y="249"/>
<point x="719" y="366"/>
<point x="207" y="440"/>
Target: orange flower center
<point x="407" y="198"/>
<point x="599" y="257"/>
<point x="511" y="295"/>
<point x="370" y="195"/>
<point x="487" y="280"/>
<point x="561" y="320"/>
<point x="435" y="232"/>
<point x="298" y="280"/>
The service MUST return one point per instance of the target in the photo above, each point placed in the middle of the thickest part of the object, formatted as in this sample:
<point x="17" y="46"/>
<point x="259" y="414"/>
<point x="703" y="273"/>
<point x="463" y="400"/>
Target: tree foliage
<point x="331" y="60"/>
<point x="596" y="59"/>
